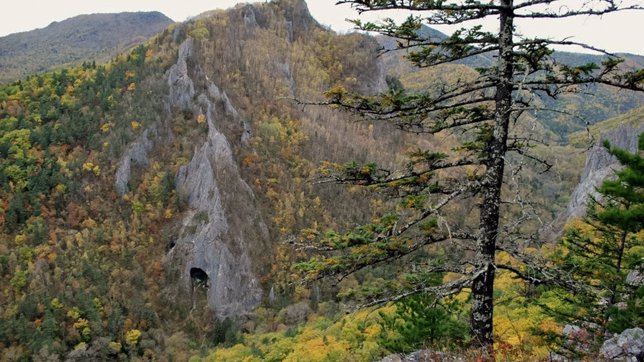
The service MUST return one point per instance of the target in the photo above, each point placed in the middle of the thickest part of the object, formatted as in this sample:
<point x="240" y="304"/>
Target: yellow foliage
<point x="89" y="223"/>
<point x="132" y="337"/>
<point x="135" y="125"/>
<point x="89" y="166"/>
<point x="81" y="323"/>
<point x="74" y="313"/>
<point x="238" y="352"/>
<point x="20" y="239"/>
<point x="515" y="320"/>
<point x="373" y="331"/>
<point x="60" y="188"/>
<point x="301" y="293"/>
<point x="115" y="347"/>
<point x="320" y="349"/>
<point x="56" y="304"/>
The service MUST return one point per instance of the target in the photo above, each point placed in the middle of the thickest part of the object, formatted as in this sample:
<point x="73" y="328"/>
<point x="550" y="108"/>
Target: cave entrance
<point x="198" y="292"/>
<point x="199" y="277"/>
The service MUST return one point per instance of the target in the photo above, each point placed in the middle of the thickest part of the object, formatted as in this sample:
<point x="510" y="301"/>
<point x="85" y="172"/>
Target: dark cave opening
<point x="199" y="276"/>
<point x="170" y="245"/>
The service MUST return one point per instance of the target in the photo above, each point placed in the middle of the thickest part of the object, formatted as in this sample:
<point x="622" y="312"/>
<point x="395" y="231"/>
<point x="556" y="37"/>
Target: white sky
<point x="620" y="32"/>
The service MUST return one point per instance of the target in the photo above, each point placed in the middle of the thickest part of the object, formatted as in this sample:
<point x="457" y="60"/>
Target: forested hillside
<point x="91" y="38"/>
<point x="92" y="211"/>
<point x="574" y="112"/>
<point x="166" y="204"/>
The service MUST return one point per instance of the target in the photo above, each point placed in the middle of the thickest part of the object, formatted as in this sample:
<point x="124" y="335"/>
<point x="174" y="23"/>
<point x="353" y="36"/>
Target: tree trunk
<point x="483" y="284"/>
<point x="618" y="267"/>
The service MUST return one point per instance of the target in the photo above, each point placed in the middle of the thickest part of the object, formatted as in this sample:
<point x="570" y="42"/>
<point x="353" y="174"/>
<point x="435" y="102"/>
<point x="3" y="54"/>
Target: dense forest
<point x="204" y="196"/>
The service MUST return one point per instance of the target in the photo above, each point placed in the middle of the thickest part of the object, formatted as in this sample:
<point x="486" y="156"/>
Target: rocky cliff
<point x="228" y="81"/>
<point x="599" y="166"/>
<point x="222" y="223"/>
<point x="222" y="205"/>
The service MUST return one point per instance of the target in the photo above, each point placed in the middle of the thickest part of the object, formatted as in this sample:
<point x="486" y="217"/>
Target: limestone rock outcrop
<point x="600" y="166"/>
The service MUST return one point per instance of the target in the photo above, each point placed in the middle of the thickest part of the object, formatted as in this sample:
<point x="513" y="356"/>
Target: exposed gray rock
<point x="136" y="154"/>
<point x="249" y="17"/>
<point x="215" y="93"/>
<point x="626" y="346"/>
<point x="582" y="338"/>
<point x="635" y="278"/>
<point x="223" y="224"/>
<point x="180" y="95"/>
<point x="208" y="241"/>
<point x="600" y="166"/>
<point x="571" y="329"/>
<point x="181" y="86"/>
<point x="556" y="357"/>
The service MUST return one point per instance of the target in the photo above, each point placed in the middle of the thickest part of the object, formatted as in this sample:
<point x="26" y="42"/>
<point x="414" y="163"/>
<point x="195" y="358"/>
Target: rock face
<point x="222" y="223"/>
<point x="222" y="242"/>
<point x="135" y="155"/>
<point x="600" y="165"/>
<point x="626" y="346"/>
<point x="181" y="87"/>
<point x="216" y="237"/>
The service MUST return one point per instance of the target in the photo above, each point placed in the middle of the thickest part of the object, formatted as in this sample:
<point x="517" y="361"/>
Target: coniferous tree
<point x="608" y="245"/>
<point x="484" y="111"/>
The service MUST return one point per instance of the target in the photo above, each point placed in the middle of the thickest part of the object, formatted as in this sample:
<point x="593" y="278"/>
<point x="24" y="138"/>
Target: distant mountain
<point x="69" y="42"/>
<point x="591" y="105"/>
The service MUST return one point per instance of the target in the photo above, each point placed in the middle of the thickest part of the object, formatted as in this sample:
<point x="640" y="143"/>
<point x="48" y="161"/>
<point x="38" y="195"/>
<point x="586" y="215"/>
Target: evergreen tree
<point x="609" y="245"/>
<point x="484" y="111"/>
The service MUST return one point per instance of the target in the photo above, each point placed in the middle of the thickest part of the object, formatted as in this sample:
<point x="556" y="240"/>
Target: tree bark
<point x="618" y="267"/>
<point x="483" y="284"/>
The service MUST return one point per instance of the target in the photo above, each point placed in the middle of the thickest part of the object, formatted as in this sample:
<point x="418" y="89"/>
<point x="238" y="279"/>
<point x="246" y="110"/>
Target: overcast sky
<point x="620" y="32"/>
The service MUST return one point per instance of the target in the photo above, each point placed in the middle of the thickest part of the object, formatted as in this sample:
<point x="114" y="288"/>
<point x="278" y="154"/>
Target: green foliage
<point x="601" y="250"/>
<point x="200" y="31"/>
<point x="65" y="249"/>
<point x="424" y="321"/>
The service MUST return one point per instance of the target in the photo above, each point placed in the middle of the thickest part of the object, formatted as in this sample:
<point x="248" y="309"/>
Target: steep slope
<point x="621" y="131"/>
<point x="96" y="37"/>
<point x="145" y="201"/>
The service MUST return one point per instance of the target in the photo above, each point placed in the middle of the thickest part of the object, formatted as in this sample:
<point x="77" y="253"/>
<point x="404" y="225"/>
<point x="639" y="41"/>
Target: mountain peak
<point x="74" y="40"/>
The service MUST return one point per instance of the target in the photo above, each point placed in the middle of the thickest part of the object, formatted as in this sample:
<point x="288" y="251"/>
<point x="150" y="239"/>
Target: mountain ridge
<point x="88" y="37"/>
